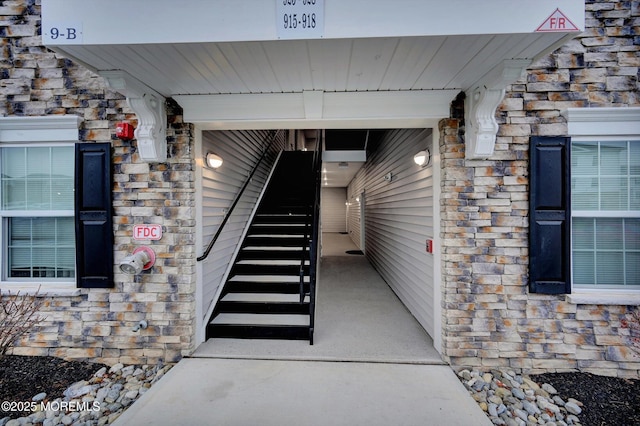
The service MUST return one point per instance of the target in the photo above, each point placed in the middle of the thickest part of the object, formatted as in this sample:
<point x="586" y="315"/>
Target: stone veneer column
<point x="98" y="323"/>
<point x="489" y="317"/>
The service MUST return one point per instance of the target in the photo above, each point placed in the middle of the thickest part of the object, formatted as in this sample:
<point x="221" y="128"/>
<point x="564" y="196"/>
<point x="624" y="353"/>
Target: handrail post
<point x="313" y="249"/>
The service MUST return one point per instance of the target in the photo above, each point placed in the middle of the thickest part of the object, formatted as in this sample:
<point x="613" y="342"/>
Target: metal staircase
<point x="269" y="292"/>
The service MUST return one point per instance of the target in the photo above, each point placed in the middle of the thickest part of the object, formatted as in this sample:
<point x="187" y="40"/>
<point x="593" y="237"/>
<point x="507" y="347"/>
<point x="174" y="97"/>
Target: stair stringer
<point x="225" y="276"/>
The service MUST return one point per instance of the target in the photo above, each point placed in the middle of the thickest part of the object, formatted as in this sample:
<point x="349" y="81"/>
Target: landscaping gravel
<point x="558" y="399"/>
<point x="49" y="391"/>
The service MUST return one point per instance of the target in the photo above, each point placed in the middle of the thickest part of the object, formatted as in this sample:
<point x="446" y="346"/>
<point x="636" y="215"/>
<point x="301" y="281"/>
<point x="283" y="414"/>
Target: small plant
<point x="18" y="315"/>
<point x="632" y="322"/>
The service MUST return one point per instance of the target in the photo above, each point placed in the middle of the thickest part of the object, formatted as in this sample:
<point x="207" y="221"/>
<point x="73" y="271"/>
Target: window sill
<point x="626" y="298"/>
<point x="43" y="290"/>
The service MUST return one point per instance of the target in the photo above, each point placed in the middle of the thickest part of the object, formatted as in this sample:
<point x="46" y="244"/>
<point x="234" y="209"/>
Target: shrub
<point x="18" y="315"/>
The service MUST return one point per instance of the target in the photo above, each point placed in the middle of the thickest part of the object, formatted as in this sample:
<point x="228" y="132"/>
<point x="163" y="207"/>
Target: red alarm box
<point x="124" y="131"/>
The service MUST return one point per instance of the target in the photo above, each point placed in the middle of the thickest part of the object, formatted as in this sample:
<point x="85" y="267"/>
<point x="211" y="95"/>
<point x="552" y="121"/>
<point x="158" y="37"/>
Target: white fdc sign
<point x="299" y="19"/>
<point x="147" y="232"/>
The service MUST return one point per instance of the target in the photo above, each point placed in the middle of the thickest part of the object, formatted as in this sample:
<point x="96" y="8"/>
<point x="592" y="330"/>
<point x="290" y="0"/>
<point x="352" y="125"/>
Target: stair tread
<point x="271" y="248"/>
<point x="261" y="319"/>
<point x="270" y="262"/>
<point x="268" y="279"/>
<point x="263" y="297"/>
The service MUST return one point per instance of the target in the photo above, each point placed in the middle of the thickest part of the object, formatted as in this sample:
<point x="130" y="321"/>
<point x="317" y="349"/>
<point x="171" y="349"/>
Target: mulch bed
<point x="608" y="401"/>
<point x="23" y="377"/>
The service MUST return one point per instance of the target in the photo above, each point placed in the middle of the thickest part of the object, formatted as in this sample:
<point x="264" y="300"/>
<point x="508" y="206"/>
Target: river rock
<point x="516" y="400"/>
<point x="573" y="408"/>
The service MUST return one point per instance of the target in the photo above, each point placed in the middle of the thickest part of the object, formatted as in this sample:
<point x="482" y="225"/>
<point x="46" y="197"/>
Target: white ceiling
<point x="293" y="66"/>
<point x="223" y="62"/>
<point x="229" y="66"/>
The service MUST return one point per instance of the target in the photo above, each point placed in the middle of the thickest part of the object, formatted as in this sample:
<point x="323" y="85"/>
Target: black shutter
<point x="93" y="214"/>
<point x="549" y="215"/>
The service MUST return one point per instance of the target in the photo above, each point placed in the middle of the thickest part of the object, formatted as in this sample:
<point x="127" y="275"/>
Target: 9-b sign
<point x="147" y="232"/>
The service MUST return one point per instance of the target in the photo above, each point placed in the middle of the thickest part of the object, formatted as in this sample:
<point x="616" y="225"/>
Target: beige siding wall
<point x="353" y="217"/>
<point x="399" y="219"/>
<point x="241" y="151"/>
<point x="334" y="210"/>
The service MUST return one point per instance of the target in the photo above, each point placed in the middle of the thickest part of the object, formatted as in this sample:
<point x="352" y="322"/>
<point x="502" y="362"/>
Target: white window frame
<point x="602" y="124"/>
<point x="54" y="130"/>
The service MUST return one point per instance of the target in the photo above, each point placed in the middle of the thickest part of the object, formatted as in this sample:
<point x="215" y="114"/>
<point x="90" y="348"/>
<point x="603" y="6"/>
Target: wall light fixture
<point x="213" y="160"/>
<point x="422" y="158"/>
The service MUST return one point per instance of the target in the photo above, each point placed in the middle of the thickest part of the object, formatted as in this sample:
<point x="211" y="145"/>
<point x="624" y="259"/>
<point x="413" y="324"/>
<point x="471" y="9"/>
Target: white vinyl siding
<point x="354" y="219"/>
<point x="399" y="219"/>
<point x="334" y="210"/>
<point x="240" y="150"/>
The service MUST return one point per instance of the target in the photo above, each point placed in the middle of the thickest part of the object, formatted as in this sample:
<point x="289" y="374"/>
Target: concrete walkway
<point x="371" y="364"/>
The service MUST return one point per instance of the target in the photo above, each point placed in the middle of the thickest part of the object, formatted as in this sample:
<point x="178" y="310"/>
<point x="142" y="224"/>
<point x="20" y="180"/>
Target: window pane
<point x="634" y="193"/>
<point x="632" y="234"/>
<point x="614" y="193"/>
<point x="613" y="158"/>
<point x="606" y="251"/>
<point x="584" y="193"/>
<point x="41" y="247"/>
<point x="584" y="158"/>
<point x="634" y="158"/>
<point x="633" y="268"/>
<point x="610" y="268"/>
<point x="609" y="234"/>
<point x="583" y="233"/>
<point x="37" y="178"/>
<point x="584" y="268"/>
<point x="62" y="169"/>
<point x="13" y="178"/>
<point x="38" y="162"/>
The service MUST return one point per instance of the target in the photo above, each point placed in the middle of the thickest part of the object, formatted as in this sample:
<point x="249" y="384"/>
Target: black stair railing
<point x="274" y="137"/>
<point x="311" y="239"/>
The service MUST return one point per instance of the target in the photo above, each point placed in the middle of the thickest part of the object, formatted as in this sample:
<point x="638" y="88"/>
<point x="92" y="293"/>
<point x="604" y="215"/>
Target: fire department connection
<point x="143" y="257"/>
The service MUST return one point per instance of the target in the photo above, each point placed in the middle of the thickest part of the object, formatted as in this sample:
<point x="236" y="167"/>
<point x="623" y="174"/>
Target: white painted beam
<point x="420" y="108"/>
<point x="98" y="22"/>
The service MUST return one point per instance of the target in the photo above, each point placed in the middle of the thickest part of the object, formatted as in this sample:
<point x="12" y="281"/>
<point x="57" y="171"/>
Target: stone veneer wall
<point x="489" y="317"/>
<point x="98" y="323"/>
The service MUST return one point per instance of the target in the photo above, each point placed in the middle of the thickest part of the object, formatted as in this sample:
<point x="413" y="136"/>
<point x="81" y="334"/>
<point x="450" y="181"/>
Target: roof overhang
<point x="229" y="63"/>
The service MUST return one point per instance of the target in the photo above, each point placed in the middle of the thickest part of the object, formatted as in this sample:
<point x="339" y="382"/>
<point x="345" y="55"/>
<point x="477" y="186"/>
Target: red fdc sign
<point x="147" y="232"/>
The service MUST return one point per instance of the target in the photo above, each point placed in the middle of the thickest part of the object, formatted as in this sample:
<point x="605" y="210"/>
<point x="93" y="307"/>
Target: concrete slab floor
<point x="229" y="392"/>
<point x="358" y="318"/>
<point x="371" y="364"/>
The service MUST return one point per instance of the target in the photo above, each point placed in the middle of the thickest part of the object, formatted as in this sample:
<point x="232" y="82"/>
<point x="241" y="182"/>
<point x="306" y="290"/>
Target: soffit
<point x="294" y="66"/>
<point x="378" y="65"/>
